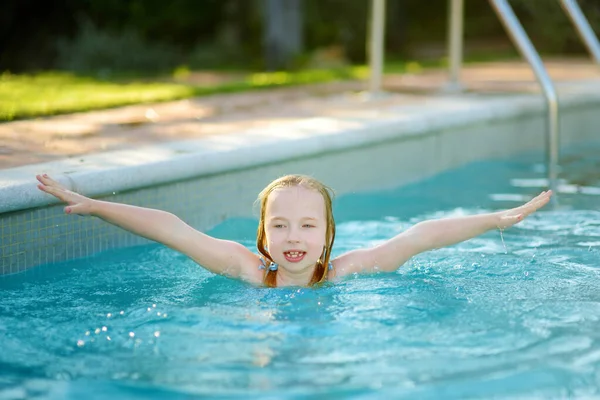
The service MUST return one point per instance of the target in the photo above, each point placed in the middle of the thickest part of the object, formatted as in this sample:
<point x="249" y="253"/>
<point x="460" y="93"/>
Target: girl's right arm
<point x="219" y="256"/>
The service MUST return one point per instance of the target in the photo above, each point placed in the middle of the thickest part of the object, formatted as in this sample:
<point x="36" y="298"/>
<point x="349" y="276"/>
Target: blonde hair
<point x="321" y="270"/>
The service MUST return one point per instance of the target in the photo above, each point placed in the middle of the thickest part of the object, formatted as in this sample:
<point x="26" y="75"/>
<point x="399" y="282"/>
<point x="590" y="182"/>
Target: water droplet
<point x="104" y="329"/>
<point x="149" y="309"/>
<point x="165" y="315"/>
<point x="108" y="338"/>
<point x="87" y="333"/>
<point x="158" y="313"/>
<point x="131" y="334"/>
<point x="502" y="238"/>
<point x="108" y="315"/>
<point x="97" y="331"/>
<point x="80" y="343"/>
<point x="153" y="305"/>
<point x="156" y="334"/>
<point x="122" y="312"/>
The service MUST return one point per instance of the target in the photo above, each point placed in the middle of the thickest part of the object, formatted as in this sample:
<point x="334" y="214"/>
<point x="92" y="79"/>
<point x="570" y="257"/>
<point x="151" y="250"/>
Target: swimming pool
<point x="516" y="317"/>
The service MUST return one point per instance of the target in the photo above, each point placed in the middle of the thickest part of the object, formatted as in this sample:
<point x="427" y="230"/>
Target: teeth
<point x="293" y="254"/>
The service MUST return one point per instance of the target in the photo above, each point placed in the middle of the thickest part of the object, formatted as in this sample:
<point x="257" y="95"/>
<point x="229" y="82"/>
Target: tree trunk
<point x="283" y="32"/>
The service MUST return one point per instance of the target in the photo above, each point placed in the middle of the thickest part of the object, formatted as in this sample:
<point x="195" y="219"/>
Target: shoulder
<point x="244" y="264"/>
<point x="252" y="268"/>
<point x="355" y="261"/>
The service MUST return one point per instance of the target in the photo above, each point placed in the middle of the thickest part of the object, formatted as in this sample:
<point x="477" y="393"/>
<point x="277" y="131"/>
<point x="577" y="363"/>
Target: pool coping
<point x="116" y="171"/>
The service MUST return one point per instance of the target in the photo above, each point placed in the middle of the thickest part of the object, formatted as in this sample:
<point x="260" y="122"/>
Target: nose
<point x="293" y="235"/>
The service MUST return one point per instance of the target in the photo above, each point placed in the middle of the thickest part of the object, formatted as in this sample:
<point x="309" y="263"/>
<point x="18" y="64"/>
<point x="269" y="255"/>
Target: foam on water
<point x="483" y="318"/>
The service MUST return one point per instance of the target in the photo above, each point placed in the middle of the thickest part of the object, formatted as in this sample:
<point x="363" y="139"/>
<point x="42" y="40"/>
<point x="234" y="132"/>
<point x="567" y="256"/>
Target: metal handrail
<point x="455" y="37"/>
<point x="375" y="49"/>
<point x="455" y="45"/>
<point x="521" y="40"/>
<point x="583" y="27"/>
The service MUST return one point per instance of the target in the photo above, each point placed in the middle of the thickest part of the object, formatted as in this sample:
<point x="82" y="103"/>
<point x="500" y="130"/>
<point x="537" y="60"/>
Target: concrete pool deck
<point x="73" y="135"/>
<point x="134" y="135"/>
<point x="231" y="145"/>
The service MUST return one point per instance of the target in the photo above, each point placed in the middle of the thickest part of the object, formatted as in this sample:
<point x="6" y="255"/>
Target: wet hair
<point x="288" y="181"/>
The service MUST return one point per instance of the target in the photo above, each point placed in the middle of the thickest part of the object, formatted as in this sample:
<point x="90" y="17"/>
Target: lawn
<point x="50" y="93"/>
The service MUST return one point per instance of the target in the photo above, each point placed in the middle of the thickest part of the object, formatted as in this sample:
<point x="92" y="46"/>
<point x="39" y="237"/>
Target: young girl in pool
<point x="295" y="235"/>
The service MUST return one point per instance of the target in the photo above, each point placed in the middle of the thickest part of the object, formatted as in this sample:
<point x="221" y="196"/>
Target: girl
<point x="295" y="235"/>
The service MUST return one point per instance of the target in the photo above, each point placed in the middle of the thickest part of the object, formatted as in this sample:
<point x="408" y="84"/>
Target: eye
<point x="278" y="226"/>
<point x="308" y="226"/>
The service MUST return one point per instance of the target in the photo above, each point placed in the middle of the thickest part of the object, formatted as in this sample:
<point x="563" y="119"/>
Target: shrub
<point x="96" y="50"/>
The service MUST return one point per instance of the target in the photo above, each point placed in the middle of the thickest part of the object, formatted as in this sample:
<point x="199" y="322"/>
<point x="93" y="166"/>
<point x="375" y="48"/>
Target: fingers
<point x="80" y="209"/>
<point x="518" y="214"/>
<point x="52" y="187"/>
<point x="76" y="203"/>
<point x="47" y="181"/>
<point x="541" y="197"/>
<point x="544" y="195"/>
<point x="531" y="206"/>
<point x="509" y="220"/>
<point x="538" y="201"/>
<point x="57" y="192"/>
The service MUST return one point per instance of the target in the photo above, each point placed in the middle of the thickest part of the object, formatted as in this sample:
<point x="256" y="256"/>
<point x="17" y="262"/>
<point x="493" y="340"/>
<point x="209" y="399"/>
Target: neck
<point x="299" y="278"/>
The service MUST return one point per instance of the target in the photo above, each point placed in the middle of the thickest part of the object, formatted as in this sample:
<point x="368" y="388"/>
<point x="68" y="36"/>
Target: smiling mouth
<point x="294" y="256"/>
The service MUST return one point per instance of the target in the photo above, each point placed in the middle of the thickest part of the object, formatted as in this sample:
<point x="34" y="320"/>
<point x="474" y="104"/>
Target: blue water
<point x="479" y="319"/>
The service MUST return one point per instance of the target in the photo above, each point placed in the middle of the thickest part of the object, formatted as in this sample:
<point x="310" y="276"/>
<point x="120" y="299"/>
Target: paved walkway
<point x="75" y="135"/>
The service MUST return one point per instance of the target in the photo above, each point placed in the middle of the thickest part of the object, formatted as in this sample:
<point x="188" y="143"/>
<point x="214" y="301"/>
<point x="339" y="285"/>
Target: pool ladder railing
<point x="528" y="51"/>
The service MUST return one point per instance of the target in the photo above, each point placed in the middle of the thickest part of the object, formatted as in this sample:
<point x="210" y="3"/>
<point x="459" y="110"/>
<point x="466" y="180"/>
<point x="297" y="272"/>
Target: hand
<point x="77" y="204"/>
<point x="510" y="217"/>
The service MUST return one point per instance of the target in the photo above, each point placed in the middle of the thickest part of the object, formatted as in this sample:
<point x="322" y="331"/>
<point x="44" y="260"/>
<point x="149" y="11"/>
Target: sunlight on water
<point x="511" y="315"/>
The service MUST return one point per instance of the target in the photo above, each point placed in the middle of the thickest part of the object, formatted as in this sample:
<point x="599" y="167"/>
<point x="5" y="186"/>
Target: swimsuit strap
<point x="263" y="265"/>
<point x="274" y="267"/>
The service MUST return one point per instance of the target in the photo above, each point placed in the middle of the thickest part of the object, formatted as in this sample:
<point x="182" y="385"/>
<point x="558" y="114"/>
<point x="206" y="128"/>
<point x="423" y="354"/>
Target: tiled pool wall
<point x="45" y="235"/>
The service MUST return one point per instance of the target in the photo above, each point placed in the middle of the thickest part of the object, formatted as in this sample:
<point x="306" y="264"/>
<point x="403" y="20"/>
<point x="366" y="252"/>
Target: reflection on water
<point x="472" y="320"/>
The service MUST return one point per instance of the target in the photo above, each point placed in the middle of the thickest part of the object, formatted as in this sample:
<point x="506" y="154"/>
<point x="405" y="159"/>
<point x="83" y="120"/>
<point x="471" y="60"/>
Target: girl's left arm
<point x="432" y="234"/>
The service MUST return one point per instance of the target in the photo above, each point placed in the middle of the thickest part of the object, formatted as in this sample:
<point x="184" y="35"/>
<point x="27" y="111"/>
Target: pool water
<point x="485" y="318"/>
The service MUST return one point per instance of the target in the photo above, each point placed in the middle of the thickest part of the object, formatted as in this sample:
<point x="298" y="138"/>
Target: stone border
<point x="105" y="173"/>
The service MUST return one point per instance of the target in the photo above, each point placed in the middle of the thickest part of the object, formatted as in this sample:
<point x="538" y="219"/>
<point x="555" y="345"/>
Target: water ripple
<point x="486" y="318"/>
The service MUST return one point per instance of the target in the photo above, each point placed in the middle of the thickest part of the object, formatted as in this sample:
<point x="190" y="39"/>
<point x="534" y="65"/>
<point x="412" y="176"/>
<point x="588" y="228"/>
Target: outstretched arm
<point x="219" y="256"/>
<point x="433" y="234"/>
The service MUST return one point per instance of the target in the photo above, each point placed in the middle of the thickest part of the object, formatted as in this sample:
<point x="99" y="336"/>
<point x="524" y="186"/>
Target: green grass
<point x="51" y="93"/>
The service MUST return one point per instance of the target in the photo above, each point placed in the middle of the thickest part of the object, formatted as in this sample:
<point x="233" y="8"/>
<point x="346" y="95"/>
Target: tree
<point x="283" y="32"/>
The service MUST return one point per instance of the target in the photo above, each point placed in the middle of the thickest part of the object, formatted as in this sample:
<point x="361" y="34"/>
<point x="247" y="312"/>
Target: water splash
<point x="503" y="242"/>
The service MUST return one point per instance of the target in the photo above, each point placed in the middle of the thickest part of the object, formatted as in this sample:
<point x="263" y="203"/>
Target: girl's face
<point x="295" y="227"/>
